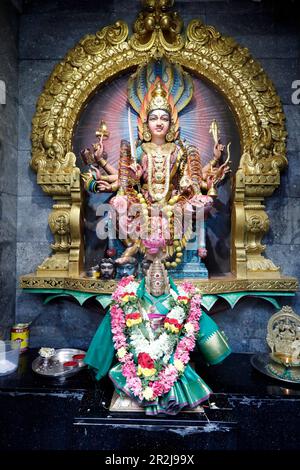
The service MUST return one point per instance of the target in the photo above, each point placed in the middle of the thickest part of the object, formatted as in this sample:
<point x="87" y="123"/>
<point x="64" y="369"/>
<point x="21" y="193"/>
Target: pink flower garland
<point x="170" y="373"/>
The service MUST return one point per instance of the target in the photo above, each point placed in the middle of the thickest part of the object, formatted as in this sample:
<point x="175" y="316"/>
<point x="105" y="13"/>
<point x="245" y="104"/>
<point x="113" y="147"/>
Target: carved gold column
<point x="257" y="224"/>
<point x="62" y="182"/>
<point x="76" y="227"/>
<point x="238" y="251"/>
<point x="260" y="165"/>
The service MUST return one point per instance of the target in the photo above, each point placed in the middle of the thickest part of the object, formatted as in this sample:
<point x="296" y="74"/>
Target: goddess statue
<point x="159" y="176"/>
<point x="153" y="325"/>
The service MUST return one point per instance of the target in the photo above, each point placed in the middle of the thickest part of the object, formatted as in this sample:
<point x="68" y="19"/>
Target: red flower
<point x="111" y="252"/>
<point x="128" y="293"/>
<point x="145" y="361"/>
<point x="173" y="321"/>
<point x="183" y="297"/>
<point x="133" y="316"/>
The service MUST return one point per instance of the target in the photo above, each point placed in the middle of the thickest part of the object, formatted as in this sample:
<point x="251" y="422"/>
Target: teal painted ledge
<point x="208" y="300"/>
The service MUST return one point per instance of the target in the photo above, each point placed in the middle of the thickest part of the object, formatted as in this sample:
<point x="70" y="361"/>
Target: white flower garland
<point x="146" y="361"/>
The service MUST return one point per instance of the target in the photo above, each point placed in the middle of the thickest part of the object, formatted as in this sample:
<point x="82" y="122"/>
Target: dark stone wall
<point x="8" y="163"/>
<point x="47" y="30"/>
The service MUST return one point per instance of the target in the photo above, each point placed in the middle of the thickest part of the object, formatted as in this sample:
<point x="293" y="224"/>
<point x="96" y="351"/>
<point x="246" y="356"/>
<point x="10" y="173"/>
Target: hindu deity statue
<point x="144" y="342"/>
<point x="159" y="176"/>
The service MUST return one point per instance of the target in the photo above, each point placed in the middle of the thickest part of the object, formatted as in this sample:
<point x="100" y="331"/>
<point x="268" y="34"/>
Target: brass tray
<point x="267" y="366"/>
<point x="53" y="367"/>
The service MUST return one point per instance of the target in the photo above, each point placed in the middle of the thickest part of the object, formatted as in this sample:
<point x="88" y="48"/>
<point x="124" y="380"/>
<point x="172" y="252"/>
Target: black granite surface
<point x="248" y="411"/>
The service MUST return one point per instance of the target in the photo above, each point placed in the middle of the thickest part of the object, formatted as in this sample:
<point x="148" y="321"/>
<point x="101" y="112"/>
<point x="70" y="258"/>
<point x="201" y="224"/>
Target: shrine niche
<point x="235" y="91"/>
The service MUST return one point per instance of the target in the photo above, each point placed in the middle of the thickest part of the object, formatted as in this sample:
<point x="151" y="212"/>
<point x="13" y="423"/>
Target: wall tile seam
<point x="15" y="53"/>
<point x="24" y="149"/>
<point x="269" y="245"/>
<point x="34" y="59"/>
<point x="258" y="58"/>
<point x="37" y="198"/>
<point x="289" y="59"/>
<point x="79" y="13"/>
<point x="20" y="195"/>
<point x="7" y="193"/>
<point x="8" y="144"/>
<point x="269" y="198"/>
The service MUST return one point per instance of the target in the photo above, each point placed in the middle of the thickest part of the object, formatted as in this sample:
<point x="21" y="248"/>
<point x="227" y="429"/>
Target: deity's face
<point x="107" y="270"/>
<point x="159" y="123"/>
<point x="127" y="269"/>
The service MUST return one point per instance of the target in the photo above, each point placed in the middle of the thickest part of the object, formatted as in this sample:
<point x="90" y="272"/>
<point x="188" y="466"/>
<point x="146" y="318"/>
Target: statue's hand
<point x="222" y="171"/>
<point x="87" y="156"/>
<point x="136" y="171"/>
<point x="210" y="180"/>
<point x="217" y="174"/>
<point x="97" y="172"/>
<point x="218" y="150"/>
<point x="98" y="151"/>
<point x="104" y="186"/>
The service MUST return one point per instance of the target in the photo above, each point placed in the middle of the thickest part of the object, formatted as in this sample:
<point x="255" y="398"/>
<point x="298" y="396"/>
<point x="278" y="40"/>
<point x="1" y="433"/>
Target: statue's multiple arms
<point x="196" y="177"/>
<point x="212" y="171"/>
<point x="94" y="181"/>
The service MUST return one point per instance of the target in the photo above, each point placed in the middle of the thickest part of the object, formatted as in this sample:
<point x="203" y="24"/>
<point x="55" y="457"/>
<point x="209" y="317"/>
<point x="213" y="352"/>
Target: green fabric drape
<point x="190" y="389"/>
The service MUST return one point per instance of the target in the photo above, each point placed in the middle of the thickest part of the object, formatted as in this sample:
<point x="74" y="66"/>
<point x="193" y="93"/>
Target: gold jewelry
<point x="102" y="162"/>
<point x="114" y="186"/>
<point x="214" y="161"/>
<point x="146" y="133"/>
<point x="159" y="179"/>
<point x="170" y="136"/>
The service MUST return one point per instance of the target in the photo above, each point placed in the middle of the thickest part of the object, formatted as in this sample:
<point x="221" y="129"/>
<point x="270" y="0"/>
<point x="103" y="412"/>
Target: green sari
<point x="189" y="390"/>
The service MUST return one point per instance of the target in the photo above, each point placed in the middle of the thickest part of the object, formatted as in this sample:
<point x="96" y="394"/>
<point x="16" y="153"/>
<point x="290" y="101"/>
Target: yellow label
<point x="22" y="338"/>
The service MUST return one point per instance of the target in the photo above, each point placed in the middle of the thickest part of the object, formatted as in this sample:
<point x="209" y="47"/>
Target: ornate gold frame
<point x="221" y="61"/>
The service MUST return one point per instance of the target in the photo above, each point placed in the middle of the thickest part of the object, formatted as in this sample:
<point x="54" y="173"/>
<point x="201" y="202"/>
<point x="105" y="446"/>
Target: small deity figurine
<point x="284" y="336"/>
<point x="129" y="268"/>
<point x="107" y="268"/>
<point x="159" y="173"/>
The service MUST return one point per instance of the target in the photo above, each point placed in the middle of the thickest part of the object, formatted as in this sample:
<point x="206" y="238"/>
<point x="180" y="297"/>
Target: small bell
<point x="212" y="191"/>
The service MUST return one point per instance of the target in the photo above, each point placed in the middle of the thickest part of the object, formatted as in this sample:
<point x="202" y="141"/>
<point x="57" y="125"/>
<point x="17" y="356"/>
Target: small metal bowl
<point x="56" y="368"/>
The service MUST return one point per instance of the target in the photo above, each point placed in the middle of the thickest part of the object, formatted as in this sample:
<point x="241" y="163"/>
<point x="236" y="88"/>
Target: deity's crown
<point x="159" y="99"/>
<point x="159" y="85"/>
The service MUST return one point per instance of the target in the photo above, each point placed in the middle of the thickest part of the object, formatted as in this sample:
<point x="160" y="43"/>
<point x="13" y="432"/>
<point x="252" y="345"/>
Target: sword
<point x="131" y="139"/>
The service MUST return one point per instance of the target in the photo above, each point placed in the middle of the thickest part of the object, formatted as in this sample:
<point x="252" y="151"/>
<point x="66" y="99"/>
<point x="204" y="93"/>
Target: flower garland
<point x="152" y="365"/>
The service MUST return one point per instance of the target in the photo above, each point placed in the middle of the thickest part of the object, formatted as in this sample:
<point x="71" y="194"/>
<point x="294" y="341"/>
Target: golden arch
<point x="219" y="59"/>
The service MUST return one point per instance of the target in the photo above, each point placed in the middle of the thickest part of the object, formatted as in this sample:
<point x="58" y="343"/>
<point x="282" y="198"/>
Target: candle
<point x="285" y="359"/>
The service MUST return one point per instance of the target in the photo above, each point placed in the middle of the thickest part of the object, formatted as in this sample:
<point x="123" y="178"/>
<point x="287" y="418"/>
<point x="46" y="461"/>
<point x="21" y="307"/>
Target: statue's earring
<point x="146" y="133"/>
<point x="170" y="136"/>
